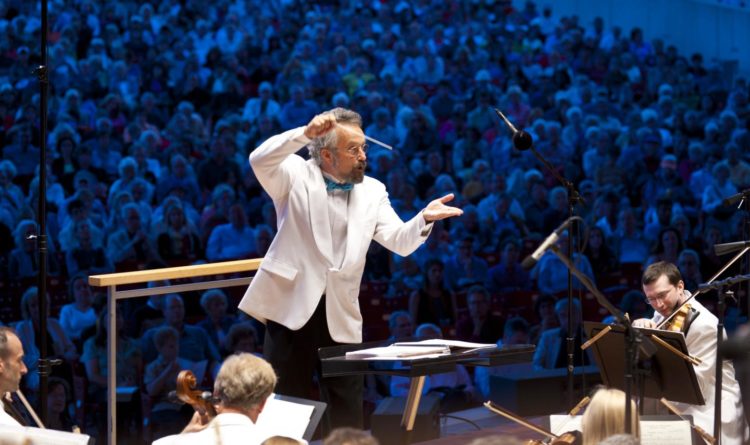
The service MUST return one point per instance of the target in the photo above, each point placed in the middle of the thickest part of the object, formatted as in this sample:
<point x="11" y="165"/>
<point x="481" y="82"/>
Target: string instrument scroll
<point x="201" y="401"/>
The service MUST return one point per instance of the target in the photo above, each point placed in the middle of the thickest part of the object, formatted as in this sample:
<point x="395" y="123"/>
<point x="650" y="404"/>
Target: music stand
<point x="335" y="363"/>
<point x="671" y="376"/>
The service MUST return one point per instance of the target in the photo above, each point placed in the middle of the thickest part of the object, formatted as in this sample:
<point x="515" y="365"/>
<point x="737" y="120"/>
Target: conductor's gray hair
<point x="244" y="381"/>
<point x="329" y="140"/>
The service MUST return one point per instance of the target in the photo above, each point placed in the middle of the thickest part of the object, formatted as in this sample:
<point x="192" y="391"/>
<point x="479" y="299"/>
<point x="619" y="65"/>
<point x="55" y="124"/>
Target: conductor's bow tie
<point x="333" y="185"/>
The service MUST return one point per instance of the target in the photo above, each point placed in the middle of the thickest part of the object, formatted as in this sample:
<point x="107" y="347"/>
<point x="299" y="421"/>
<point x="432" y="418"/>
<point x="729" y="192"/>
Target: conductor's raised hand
<point x="320" y="125"/>
<point x="437" y="210"/>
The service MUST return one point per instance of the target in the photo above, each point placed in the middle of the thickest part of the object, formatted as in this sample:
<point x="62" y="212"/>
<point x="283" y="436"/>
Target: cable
<point x="472" y="423"/>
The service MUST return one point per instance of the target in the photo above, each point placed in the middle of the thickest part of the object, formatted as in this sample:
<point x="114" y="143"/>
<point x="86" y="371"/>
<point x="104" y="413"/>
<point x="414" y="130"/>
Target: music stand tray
<point x="670" y="375"/>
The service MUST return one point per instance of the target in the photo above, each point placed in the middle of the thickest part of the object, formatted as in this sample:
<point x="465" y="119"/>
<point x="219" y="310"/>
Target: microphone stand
<point x="44" y="364"/>
<point x="720" y="286"/>
<point x="636" y="341"/>
<point x="743" y="197"/>
<point x="523" y="141"/>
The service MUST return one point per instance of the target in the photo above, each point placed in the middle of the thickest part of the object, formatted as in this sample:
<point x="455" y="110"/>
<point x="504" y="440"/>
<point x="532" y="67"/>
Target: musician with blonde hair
<point x="605" y="416"/>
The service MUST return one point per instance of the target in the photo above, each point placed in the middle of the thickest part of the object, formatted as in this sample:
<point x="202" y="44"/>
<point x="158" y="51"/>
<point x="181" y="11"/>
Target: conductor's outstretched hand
<point x="437" y="210"/>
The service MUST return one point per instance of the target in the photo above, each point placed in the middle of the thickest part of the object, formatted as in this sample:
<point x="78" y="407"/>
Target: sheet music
<point x="653" y="432"/>
<point x="394" y="352"/>
<point x="564" y="423"/>
<point x="666" y="432"/>
<point x="449" y="343"/>
<point x="284" y="418"/>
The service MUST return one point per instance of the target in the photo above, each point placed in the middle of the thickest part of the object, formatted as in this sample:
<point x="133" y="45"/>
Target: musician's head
<point x="243" y="384"/>
<point x="663" y="287"/>
<point x="605" y="416"/>
<point x="12" y="366"/>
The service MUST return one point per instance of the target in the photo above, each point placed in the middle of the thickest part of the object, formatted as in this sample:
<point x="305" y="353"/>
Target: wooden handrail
<point x="171" y="273"/>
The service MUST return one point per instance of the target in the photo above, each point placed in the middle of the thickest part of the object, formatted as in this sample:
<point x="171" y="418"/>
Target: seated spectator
<point x="508" y="275"/>
<point x="160" y="378"/>
<point x="86" y="256"/>
<point x="181" y="176"/>
<point x="129" y="366"/>
<point x="11" y="195"/>
<point x="544" y="308"/>
<point x="148" y="315"/>
<point x="217" y="322"/>
<point x="552" y="274"/>
<point x="668" y="247"/>
<point x="194" y="342"/>
<point x="433" y="302"/>
<point x="464" y="268"/>
<point x="551" y="351"/>
<point x="516" y="332"/>
<point x="603" y="260"/>
<point x="400" y="325"/>
<point x="689" y="264"/>
<point x="58" y="401"/>
<point x="349" y="436"/>
<point x="242" y="337"/>
<point x="79" y="316"/>
<point x="456" y="387"/>
<point x="234" y="240"/>
<point x="217" y="211"/>
<point x="634" y="305"/>
<point x="629" y="243"/>
<point x="720" y="188"/>
<point x="605" y="417"/>
<point x="481" y="325"/>
<point x="58" y="343"/>
<point x="178" y="242"/>
<point x="406" y="278"/>
<point x="131" y="244"/>
<point x="23" y="260"/>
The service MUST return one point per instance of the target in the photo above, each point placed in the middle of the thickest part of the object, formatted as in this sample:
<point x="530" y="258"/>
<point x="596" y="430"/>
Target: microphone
<point x="725" y="248"/>
<point x="521" y="139"/>
<point x="731" y="200"/>
<point x="532" y="259"/>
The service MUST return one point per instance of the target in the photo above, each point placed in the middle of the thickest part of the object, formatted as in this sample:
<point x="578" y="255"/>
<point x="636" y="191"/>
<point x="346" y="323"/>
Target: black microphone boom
<point x="725" y="248"/>
<point x="532" y="259"/>
<point x="521" y="139"/>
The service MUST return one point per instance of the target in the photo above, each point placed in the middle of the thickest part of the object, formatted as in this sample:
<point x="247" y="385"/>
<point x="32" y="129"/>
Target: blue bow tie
<point x="333" y="185"/>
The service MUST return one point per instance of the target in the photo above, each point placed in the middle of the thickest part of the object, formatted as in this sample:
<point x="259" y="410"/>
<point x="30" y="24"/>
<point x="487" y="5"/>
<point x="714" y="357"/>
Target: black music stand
<point x="671" y="375"/>
<point x="335" y="363"/>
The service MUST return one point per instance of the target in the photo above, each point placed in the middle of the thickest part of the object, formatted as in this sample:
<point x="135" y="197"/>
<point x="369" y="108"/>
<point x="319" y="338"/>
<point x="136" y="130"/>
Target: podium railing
<point x="143" y="277"/>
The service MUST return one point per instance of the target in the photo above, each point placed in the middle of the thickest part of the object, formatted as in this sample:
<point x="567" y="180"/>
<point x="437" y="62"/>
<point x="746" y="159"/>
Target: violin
<point x="201" y="401"/>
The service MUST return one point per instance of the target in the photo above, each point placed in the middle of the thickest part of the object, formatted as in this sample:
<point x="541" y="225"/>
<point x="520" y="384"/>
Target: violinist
<point x="665" y="292"/>
<point x="12" y="368"/>
<point x="241" y="388"/>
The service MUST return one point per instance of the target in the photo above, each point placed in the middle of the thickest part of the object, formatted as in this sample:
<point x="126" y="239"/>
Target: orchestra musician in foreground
<point x="241" y="388"/>
<point x="12" y="368"/>
<point x="665" y="292"/>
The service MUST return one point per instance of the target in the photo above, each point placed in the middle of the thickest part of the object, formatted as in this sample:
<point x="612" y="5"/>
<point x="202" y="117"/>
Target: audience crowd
<point x="155" y="106"/>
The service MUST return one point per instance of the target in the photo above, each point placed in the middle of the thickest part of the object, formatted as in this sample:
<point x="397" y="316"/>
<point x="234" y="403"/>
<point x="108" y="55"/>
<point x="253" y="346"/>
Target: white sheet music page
<point x="666" y="432"/>
<point x="284" y="418"/>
